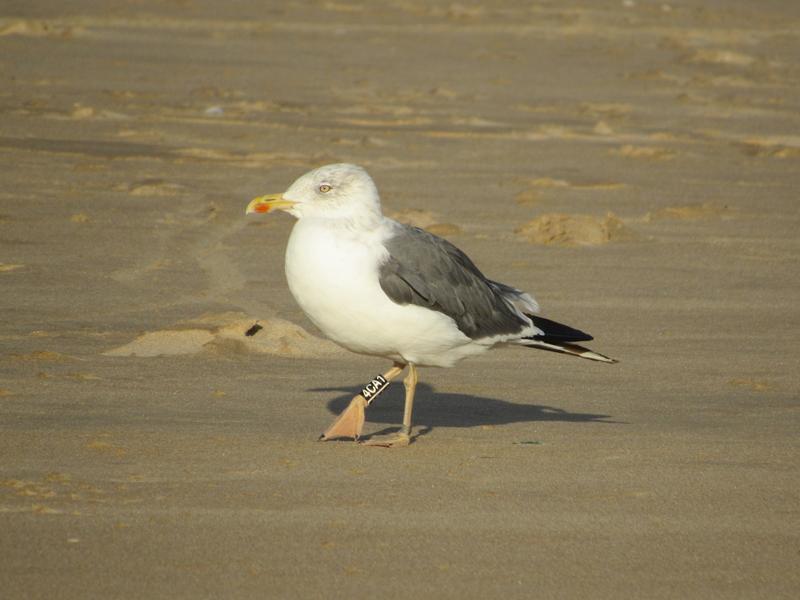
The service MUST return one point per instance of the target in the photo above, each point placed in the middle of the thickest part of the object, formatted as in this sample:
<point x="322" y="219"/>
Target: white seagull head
<point x="339" y="191"/>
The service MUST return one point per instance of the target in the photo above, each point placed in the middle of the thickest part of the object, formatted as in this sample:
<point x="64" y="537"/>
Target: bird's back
<point x="425" y="270"/>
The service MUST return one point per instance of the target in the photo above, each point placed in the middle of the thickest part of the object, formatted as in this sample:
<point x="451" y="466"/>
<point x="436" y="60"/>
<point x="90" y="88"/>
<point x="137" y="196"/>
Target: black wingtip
<point x="558" y="332"/>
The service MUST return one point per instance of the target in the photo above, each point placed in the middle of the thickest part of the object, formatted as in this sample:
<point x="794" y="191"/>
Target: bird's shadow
<point x="444" y="409"/>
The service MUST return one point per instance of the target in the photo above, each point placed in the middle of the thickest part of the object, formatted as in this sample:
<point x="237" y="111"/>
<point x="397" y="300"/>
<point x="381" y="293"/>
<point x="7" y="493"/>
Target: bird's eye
<point x="325" y="188"/>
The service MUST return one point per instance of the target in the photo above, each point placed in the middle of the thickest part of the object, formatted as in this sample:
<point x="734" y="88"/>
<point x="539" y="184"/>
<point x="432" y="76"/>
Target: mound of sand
<point x="226" y="333"/>
<point x="645" y="152"/>
<point x="164" y="343"/>
<point x="775" y="147"/>
<point x="275" y="336"/>
<point x="154" y="187"/>
<point x="575" y="230"/>
<point x="427" y="220"/>
<point x="34" y="28"/>
<point x="721" y="57"/>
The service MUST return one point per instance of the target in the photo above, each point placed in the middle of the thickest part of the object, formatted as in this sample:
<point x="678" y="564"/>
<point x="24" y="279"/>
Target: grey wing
<point x="425" y="270"/>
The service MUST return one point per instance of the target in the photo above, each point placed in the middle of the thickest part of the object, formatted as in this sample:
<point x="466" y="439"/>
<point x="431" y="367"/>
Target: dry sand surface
<point x="635" y="164"/>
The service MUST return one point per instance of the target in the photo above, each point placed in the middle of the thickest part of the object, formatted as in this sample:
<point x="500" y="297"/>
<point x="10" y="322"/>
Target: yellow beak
<point x="264" y="204"/>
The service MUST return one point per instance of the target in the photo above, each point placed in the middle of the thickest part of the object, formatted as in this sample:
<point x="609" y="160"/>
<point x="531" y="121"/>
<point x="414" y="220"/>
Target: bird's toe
<point x="396" y="440"/>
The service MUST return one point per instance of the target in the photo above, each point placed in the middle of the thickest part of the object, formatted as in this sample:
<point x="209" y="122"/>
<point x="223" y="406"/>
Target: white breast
<point x="333" y="275"/>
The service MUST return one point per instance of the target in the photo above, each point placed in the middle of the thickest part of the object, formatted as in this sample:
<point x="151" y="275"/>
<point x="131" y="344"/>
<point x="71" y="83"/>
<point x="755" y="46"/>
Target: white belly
<point x="334" y="277"/>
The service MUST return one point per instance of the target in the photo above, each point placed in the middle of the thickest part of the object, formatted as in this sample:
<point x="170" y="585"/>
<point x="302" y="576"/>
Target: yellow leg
<point x="350" y="423"/>
<point x="402" y="437"/>
<point x="410" y="383"/>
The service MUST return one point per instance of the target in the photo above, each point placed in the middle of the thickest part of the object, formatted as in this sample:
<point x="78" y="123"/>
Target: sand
<point x="150" y="449"/>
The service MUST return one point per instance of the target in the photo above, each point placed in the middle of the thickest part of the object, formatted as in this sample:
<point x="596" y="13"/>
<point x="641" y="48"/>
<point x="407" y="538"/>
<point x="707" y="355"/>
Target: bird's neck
<point x="357" y="222"/>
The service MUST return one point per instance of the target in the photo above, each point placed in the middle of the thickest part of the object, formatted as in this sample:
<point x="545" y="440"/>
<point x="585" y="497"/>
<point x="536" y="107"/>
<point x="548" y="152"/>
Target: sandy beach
<point x="635" y="165"/>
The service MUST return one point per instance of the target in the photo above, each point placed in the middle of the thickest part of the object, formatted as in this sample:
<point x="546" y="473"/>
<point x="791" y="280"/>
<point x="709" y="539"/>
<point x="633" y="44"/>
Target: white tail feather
<point x="572" y="349"/>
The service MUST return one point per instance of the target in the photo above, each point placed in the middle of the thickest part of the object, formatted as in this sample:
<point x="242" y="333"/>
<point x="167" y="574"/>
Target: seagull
<point x="382" y="288"/>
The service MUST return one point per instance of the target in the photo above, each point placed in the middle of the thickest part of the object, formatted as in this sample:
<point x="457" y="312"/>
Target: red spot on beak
<point x="261" y="208"/>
